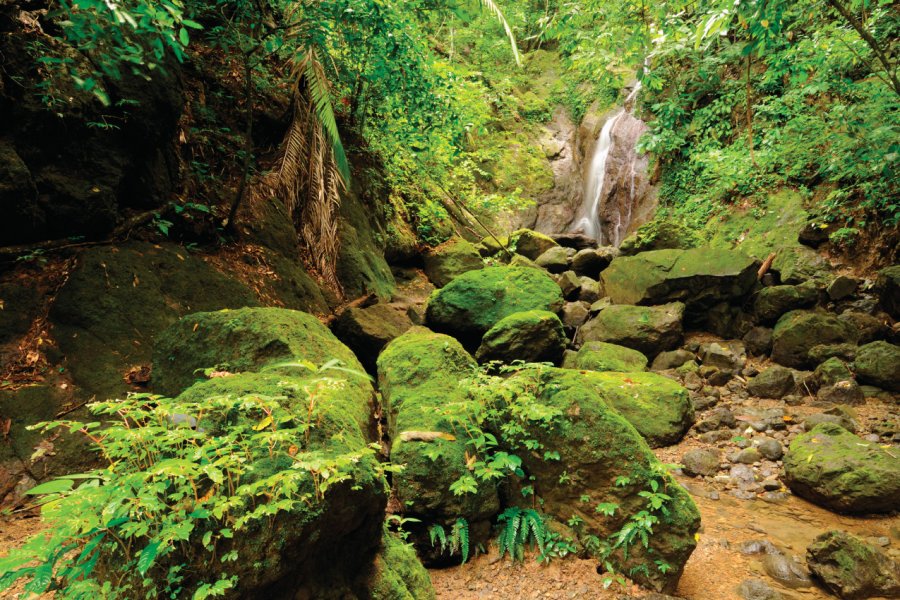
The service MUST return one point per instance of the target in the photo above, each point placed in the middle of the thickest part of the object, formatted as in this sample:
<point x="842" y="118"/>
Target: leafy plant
<point x="520" y="528"/>
<point x="455" y="543"/>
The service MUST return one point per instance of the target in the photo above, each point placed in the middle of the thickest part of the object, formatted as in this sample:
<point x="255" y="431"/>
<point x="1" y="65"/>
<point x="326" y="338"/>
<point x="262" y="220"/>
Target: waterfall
<point x="615" y="180"/>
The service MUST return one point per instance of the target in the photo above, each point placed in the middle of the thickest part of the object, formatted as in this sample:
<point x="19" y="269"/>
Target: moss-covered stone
<point x="835" y="468"/>
<point x="659" y="234"/>
<point x="852" y="569"/>
<point x="242" y="340"/>
<point x="659" y="408"/>
<point x="699" y="277"/>
<point x="648" y="329"/>
<point x="774" y="382"/>
<point x="597" y="445"/>
<point x="397" y="573"/>
<point x="888" y="286"/>
<point x="772" y="302"/>
<point x="531" y="336"/>
<point x="798" y="331"/>
<point x="418" y="374"/>
<point x="366" y="330"/>
<point x="451" y="259"/>
<point x="531" y="244"/>
<point x="476" y="301"/>
<point x="602" y="356"/>
<point x="361" y="267"/>
<point x="832" y="371"/>
<point x="878" y="364"/>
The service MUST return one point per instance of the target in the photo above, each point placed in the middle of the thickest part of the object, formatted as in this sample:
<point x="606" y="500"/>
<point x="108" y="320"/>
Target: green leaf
<point x="183" y="37"/>
<point x="57" y="486"/>
<point x="148" y="555"/>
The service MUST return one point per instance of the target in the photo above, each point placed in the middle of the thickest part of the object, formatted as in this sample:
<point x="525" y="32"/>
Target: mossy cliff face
<point x="602" y="356"/>
<point x="596" y="446"/>
<point x="659" y="234"/>
<point x="419" y="374"/>
<point x="476" y="301"/>
<point x="836" y="469"/>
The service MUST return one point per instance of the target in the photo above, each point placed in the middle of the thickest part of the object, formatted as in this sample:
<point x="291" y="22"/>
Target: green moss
<point x="602" y="356"/>
<point x="878" y="363"/>
<point x="648" y="329"/>
<point x="532" y="336"/>
<point x="398" y="574"/>
<point x="659" y="408"/>
<point x="361" y="267"/>
<point x="799" y="331"/>
<point x="451" y="259"/>
<point x="660" y="234"/>
<point x="531" y="244"/>
<point x="242" y="340"/>
<point x="475" y="301"/>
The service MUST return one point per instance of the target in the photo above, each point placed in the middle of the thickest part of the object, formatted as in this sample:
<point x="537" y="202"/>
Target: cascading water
<point x="615" y="182"/>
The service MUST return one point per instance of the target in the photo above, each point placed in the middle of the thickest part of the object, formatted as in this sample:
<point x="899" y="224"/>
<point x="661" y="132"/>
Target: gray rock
<point x="701" y="462"/>
<point x="870" y="328"/>
<point x="569" y="283"/>
<point x="774" y="382"/>
<point x="671" y="359"/>
<point x="748" y="456"/>
<point x="751" y="547"/>
<point x="717" y="419"/>
<point x="841" y="287"/>
<point x="852" y="569"/>
<point x="648" y="329"/>
<point x="756" y="589"/>
<point x="590" y="290"/>
<point x="789" y="572"/>
<point x="770" y="449"/>
<point x="817" y="419"/>
<point x="555" y="259"/>
<point x="888" y="287"/>
<point x="758" y="341"/>
<point x="842" y="392"/>
<point x="574" y="314"/>
<point x="878" y="364"/>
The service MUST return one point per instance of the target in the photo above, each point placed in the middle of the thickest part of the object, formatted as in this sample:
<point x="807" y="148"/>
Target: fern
<point x="456" y="543"/>
<point x="520" y="528"/>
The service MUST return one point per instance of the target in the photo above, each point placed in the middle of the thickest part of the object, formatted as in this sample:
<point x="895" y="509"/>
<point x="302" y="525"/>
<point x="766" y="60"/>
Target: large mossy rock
<point x="361" y="266"/>
<point x="852" y="569"/>
<point x="799" y="331"/>
<point x="476" y="301"/>
<point x="878" y="364"/>
<point x="107" y="316"/>
<point x="888" y="286"/>
<point x="774" y="382"/>
<point x="836" y="469"/>
<point x="449" y="260"/>
<point x="701" y="278"/>
<point x="597" y="446"/>
<point x="419" y="373"/>
<point x="397" y="573"/>
<point x="659" y="408"/>
<point x="602" y="356"/>
<point x="647" y="329"/>
<point x="531" y="244"/>
<point x="242" y="340"/>
<point x="772" y="302"/>
<point x="367" y="330"/>
<point x="659" y="234"/>
<point x="531" y="336"/>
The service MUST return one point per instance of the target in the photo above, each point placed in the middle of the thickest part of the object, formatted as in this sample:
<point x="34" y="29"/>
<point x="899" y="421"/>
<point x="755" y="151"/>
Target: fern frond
<point x="536" y="527"/>
<point x="492" y="7"/>
<point x="437" y="534"/>
<point x="461" y="532"/>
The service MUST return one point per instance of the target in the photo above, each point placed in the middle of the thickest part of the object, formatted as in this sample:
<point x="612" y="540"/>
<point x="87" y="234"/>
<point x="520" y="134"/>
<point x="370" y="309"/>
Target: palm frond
<point x="492" y="7"/>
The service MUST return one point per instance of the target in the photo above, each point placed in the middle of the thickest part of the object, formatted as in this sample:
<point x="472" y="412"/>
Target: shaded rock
<point x="888" y="287"/>
<point x="569" y="283"/>
<point x="717" y="419"/>
<point x="878" y="364"/>
<point x="531" y="244"/>
<point x="574" y="314"/>
<point x="591" y="261"/>
<point x="578" y="241"/>
<point x="832" y="371"/>
<point x="531" y="336"/>
<point x="770" y="449"/>
<point x="475" y="301"/>
<point x="451" y="259"/>
<point x="814" y="233"/>
<point x="756" y="589"/>
<point x="842" y="392"/>
<point x="822" y="352"/>
<point x="648" y="329"/>
<point x="367" y="330"/>
<point x="852" y="569"/>
<point x="836" y="469"/>
<point x="789" y="572"/>
<point x="22" y="213"/>
<point x="361" y="266"/>
<point x="590" y="290"/>
<point x="797" y="332"/>
<point x="868" y="327"/>
<point x="671" y="359"/>
<point x="601" y="356"/>
<point x="724" y="355"/>
<point x="397" y="573"/>
<point x="841" y="287"/>
<point x="772" y="302"/>
<point x="555" y="260"/>
<point x="758" y="341"/>
<point x="659" y="234"/>
<point x="811" y="421"/>
<point x="774" y="382"/>
<point x="701" y="462"/>
<point x="799" y="265"/>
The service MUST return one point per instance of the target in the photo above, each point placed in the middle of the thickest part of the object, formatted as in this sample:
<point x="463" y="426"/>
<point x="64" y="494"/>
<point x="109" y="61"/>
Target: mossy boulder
<point x="476" y="301"/>
<point x="878" y="364"/>
<point x="531" y="244"/>
<point x="798" y="264"/>
<point x="838" y="470"/>
<point x="659" y="408"/>
<point x="602" y="356"/>
<point x="772" y="302"/>
<point x="647" y="329"/>
<point x="799" y="331"/>
<point x="773" y="382"/>
<point x="246" y="339"/>
<point x="361" y="266"/>
<point x="660" y="234"/>
<point x="397" y="573"/>
<point x="451" y="259"/>
<point x="531" y="336"/>
<point x="699" y="277"/>
<point x="852" y="569"/>
<point x="888" y="287"/>
<point x="367" y="330"/>
<point x="419" y="373"/>
<point x="597" y="446"/>
<point x="832" y="371"/>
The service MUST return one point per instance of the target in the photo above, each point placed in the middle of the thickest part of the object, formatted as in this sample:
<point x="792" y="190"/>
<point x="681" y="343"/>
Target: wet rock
<point x="555" y="260"/>
<point x="772" y="302"/>
<point x="531" y="336"/>
<point x="878" y="364"/>
<point x="756" y="589"/>
<point x="574" y="314"/>
<point x="701" y="462"/>
<point x="842" y="392"/>
<point x="771" y="484"/>
<point x="770" y="449"/>
<point x="751" y="547"/>
<point x="841" y="287"/>
<point x="758" y="341"/>
<point x="797" y="332"/>
<point x="774" y="382"/>
<point x="836" y="469"/>
<point x="743" y="476"/>
<point x="451" y="259"/>
<point x="569" y="283"/>
<point x="888" y="287"/>
<point x="648" y="329"/>
<point x="671" y="359"/>
<point x="789" y="572"/>
<point x="852" y="569"/>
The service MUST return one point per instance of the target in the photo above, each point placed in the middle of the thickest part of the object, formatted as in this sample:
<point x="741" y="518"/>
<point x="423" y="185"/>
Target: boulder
<point x="841" y="287"/>
<point x="757" y="589"/>
<point x="590" y="290"/>
<point x="758" y="341"/>
<point x="601" y="356"/>
<point x="574" y="314"/>
<point x="597" y="447"/>
<point x="531" y="244"/>
<point x="852" y="569"/>
<point x="569" y="284"/>
<point x="671" y="359"/>
<point x="700" y="278"/>
<point x="888" y="287"/>
<point x="659" y="408"/>
<point x="869" y="328"/>
<point x="701" y="462"/>
<point x="772" y="302"/>
<point x="648" y="329"/>
<point x="589" y="262"/>
<point x="729" y="355"/>
<point x="797" y="332"/>
<point x="419" y="373"/>
<point x="659" y="234"/>
<point x="878" y="364"/>
<point x="576" y="241"/>
<point x="397" y="573"/>
<point x="530" y="336"/>
<point x="838" y="470"/>
<point x="822" y="352"/>
<point x="831" y="371"/>
<point x="451" y="259"/>
<point x="366" y="330"/>
<point x="246" y="339"/>
<point x="555" y="260"/>
<point x="475" y="301"/>
<point x="775" y="382"/>
<point x="796" y="265"/>
<point x="841" y="392"/>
